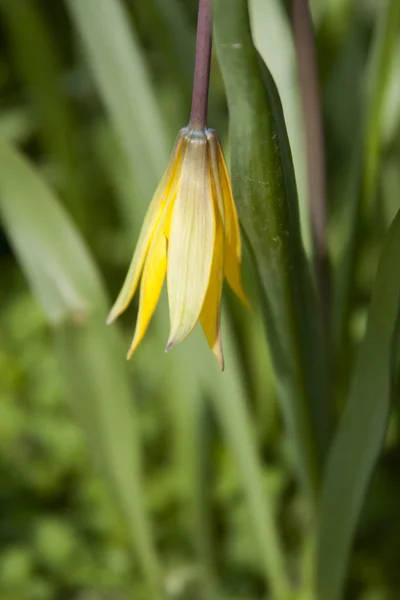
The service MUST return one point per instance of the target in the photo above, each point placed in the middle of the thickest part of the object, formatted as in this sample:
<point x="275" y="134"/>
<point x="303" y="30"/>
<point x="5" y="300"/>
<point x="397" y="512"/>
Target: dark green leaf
<point x="265" y="191"/>
<point x="361" y="432"/>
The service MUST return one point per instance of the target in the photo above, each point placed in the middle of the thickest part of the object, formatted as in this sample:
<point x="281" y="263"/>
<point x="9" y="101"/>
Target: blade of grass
<point x="66" y="282"/>
<point x="364" y="174"/>
<point x="391" y="111"/>
<point x="380" y="68"/>
<point x="16" y="124"/>
<point x="179" y="38"/>
<point x="229" y="404"/>
<point x="100" y="392"/>
<point x="65" y="286"/>
<point x="120" y="73"/>
<point x="201" y="427"/>
<point x="265" y="191"/>
<point x="40" y="67"/>
<point x="361" y="432"/>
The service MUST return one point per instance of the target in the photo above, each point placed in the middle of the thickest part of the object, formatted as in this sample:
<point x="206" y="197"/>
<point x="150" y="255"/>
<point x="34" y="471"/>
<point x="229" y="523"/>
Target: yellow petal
<point x="153" y="215"/>
<point x="233" y="251"/>
<point x="213" y="145"/>
<point x="191" y="243"/>
<point x="152" y="278"/>
<point x="210" y="316"/>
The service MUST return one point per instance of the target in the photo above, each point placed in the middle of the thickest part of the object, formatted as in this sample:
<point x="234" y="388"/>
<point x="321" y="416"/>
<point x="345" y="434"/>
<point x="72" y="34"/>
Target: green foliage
<point x="265" y="190"/>
<point x="62" y="533"/>
<point x="162" y="477"/>
<point x="362" y="428"/>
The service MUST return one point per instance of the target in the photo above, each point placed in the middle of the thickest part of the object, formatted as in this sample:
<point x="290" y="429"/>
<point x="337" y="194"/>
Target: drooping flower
<point x="191" y="235"/>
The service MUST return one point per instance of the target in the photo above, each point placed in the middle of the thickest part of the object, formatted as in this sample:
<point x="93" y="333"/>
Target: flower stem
<point x="198" y="115"/>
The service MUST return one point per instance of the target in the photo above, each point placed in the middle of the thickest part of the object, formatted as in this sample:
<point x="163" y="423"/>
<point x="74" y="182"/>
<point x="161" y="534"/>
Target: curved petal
<point x="210" y="316"/>
<point x="164" y="190"/>
<point x="152" y="279"/>
<point x="191" y="242"/>
<point x="213" y="145"/>
<point x="233" y="250"/>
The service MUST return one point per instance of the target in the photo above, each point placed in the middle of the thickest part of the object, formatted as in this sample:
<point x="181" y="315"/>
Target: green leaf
<point x="362" y="428"/>
<point x="40" y="69"/>
<point x="229" y="404"/>
<point x="271" y="30"/>
<point x="179" y="37"/>
<point x="361" y="193"/>
<point x="66" y="283"/>
<point x="380" y="70"/>
<point x="55" y="259"/>
<point x="265" y="192"/>
<point x="92" y="362"/>
<point x="117" y="65"/>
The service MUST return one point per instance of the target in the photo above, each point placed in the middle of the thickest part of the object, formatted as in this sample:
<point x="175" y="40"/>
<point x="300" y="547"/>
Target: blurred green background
<point x="158" y="478"/>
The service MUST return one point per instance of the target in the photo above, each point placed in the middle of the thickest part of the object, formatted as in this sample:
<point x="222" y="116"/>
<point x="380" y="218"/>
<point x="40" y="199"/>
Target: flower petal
<point x="191" y="243"/>
<point x="213" y="145"/>
<point x="153" y="215"/>
<point x="153" y="278"/>
<point x="210" y="316"/>
<point x="233" y="250"/>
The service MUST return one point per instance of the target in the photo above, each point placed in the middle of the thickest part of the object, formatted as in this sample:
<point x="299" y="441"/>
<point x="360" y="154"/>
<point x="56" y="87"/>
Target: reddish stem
<point x="198" y="115"/>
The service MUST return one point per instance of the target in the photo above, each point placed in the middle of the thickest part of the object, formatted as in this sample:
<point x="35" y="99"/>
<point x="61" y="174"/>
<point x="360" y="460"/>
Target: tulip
<point x="191" y="235"/>
<point x="191" y="230"/>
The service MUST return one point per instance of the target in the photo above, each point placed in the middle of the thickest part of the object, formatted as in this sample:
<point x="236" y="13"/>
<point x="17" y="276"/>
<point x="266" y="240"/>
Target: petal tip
<point x="110" y="319"/>
<point x="244" y="299"/>
<point x="178" y="334"/>
<point x="237" y="288"/>
<point x="170" y="345"/>
<point x="135" y="343"/>
<point x="114" y="313"/>
<point x="218" y="353"/>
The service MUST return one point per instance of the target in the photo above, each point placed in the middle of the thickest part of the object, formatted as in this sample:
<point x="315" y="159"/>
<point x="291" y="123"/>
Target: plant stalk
<point x="201" y="81"/>
<point x="311" y="105"/>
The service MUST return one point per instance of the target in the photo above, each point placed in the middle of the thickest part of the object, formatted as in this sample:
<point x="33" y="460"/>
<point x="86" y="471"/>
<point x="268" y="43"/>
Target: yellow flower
<point x="191" y="234"/>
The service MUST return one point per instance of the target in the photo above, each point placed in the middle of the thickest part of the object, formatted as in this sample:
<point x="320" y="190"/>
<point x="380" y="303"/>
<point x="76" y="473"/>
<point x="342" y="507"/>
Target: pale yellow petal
<point x="153" y="215"/>
<point x="210" y="316"/>
<point x="233" y="251"/>
<point x="191" y="241"/>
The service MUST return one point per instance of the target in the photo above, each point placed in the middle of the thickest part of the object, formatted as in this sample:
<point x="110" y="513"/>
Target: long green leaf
<point x="383" y="55"/>
<point x="364" y="173"/>
<point x="40" y="68"/>
<point x="265" y="191"/>
<point x="67" y="284"/>
<point x="361" y="432"/>
<point x="120" y="73"/>
<point x="233" y="415"/>
<point x="179" y="34"/>
<point x="271" y="29"/>
<point x="55" y="259"/>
